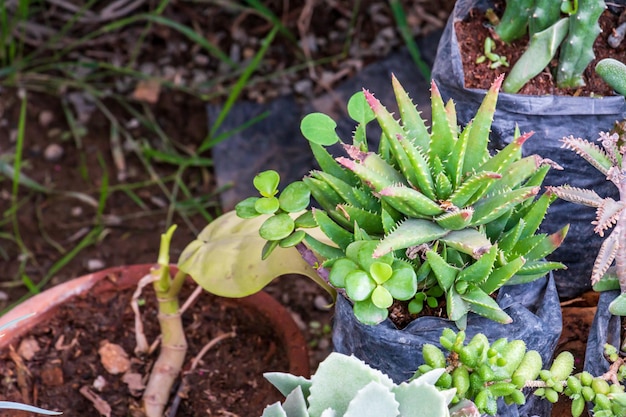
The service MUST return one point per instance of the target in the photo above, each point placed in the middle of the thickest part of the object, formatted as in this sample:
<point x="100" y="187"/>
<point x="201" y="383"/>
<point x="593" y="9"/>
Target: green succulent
<point x="608" y="158"/>
<point x="345" y="386"/>
<point x="430" y="214"/>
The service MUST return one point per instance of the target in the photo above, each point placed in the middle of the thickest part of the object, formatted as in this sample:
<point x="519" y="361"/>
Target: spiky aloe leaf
<point x="590" y="152"/>
<point x="421" y="174"/>
<point x="373" y="171"/>
<point x="477" y="151"/>
<point x="492" y="207"/>
<point x="411" y="119"/>
<point x="548" y="244"/>
<point x="455" y="220"/>
<point x="454" y="164"/>
<point x="501" y="275"/>
<point x="533" y="218"/>
<point x="481" y="269"/>
<point x="456" y="307"/>
<point x="392" y="130"/>
<point x="533" y="270"/>
<point x="481" y="303"/>
<point x="511" y="152"/>
<point x="442" y="134"/>
<point x="606" y="255"/>
<point x="518" y="172"/>
<point x="411" y="232"/>
<point x="323" y="249"/>
<point x="328" y="164"/>
<point x="510" y="238"/>
<point x="348" y="192"/>
<point x="367" y="220"/>
<point x="336" y="233"/>
<point x="404" y="198"/>
<point x="323" y="193"/>
<point x="473" y="188"/>
<point x="446" y="274"/>
<point x="469" y="241"/>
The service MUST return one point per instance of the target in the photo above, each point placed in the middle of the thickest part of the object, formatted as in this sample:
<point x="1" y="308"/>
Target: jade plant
<point x="569" y="27"/>
<point x="344" y="386"/>
<point x="483" y="372"/>
<point x="430" y="216"/>
<point x="608" y="158"/>
<point x="219" y="261"/>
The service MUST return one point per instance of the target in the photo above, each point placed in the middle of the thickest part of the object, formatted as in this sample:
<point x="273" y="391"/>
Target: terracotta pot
<point x="124" y="277"/>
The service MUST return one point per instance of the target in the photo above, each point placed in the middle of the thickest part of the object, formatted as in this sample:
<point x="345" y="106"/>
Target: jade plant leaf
<point x="320" y="129"/>
<point x="295" y="197"/>
<point x="266" y="183"/>
<point x="225" y="259"/>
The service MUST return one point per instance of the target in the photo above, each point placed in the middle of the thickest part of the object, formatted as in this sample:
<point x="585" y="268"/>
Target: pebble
<point x="99" y="383"/>
<point x="201" y="59"/>
<point x="45" y="118"/>
<point x="53" y="152"/>
<point x="95" y="264"/>
<point x="304" y="87"/>
<point x="114" y="358"/>
<point x="28" y="348"/>
<point x="321" y="303"/>
<point x="76" y="211"/>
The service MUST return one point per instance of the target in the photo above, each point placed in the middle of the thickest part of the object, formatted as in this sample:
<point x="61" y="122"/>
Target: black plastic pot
<point x="551" y="118"/>
<point x="606" y="328"/>
<point x="536" y="315"/>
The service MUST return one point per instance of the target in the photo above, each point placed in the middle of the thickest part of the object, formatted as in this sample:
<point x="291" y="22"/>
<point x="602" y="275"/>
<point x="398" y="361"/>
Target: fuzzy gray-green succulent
<point x="344" y="386"/>
<point x="430" y="216"/>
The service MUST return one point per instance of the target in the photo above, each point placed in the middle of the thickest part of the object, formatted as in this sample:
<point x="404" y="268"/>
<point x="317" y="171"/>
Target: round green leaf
<point x="416" y="306"/>
<point x="403" y="283"/>
<point x="367" y="313"/>
<point x="266" y="205"/>
<point x="293" y="239"/>
<point x="381" y="297"/>
<point x="295" y="197"/>
<point x="267" y="183"/>
<point x="359" y="110"/>
<point x="245" y="209"/>
<point x="340" y="269"/>
<point x="359" y="285"/>
<point x="381" y="272"/>
<point x="277" y="227"/>
<point x="319" y="128"/>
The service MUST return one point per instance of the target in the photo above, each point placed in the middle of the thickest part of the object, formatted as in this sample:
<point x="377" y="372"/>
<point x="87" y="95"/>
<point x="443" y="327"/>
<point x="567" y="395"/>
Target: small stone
<point x="321" y="303"/>
<point x="113" y="358"/>
<point x="304" y="87"/>
<point x="45" y="118"/>
<point x="53" y="152"/>
<point x="201" y="59"/>
<point x="28" y="348"/>
<point x="95" y="264"/>
<point x="134" y="382"/>
<point x="76" y="211"/>
<point x="99" y="383"/>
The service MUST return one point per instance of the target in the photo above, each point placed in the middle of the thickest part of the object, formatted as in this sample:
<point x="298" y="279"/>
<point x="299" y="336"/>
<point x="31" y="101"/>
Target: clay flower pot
<point x="112" y="280"/>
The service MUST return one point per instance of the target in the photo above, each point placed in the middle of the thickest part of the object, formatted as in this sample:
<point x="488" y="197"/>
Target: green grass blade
<point x="403" y="27"/>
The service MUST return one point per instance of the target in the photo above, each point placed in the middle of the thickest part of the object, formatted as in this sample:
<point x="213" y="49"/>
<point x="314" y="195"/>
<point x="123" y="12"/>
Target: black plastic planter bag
<point x="606" y="328"/>
<point x="551" y="118"/>
<point x="536" y="315"/>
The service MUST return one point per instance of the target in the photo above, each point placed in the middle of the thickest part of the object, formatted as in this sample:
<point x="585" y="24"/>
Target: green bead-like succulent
<point x="429" y="214"/>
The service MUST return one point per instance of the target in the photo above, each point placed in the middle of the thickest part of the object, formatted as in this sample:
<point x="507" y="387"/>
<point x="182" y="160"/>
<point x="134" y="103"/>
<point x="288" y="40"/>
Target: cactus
<point x="430" y="215"/>
<point x="344" y="386"/>
<point x="547" y="30"/>
<point x="613" y="73"/>
<point x="577" y="49"/>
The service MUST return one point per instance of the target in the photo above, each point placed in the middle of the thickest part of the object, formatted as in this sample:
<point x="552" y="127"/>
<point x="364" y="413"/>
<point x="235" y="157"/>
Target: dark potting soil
<point x="227" y="382"/>
<point x="473" y="32"/>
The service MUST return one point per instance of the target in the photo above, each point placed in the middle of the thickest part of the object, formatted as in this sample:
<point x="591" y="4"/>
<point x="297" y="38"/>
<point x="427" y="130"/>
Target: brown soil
<point x="227" y="382"/>
<point x="472" y="33"/>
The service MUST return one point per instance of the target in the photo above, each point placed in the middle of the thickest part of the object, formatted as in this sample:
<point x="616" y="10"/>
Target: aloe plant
<point x="549" y="32"/>
<point x="430" y="216"/>
<point x="608" y="158"/>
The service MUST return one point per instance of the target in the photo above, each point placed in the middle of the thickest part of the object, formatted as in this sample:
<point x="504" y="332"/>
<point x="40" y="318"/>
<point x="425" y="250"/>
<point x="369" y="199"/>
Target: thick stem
<point x="173" y="343"/>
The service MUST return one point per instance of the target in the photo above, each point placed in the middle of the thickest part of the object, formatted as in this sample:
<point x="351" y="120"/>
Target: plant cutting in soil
<point x="473" y="32"/>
